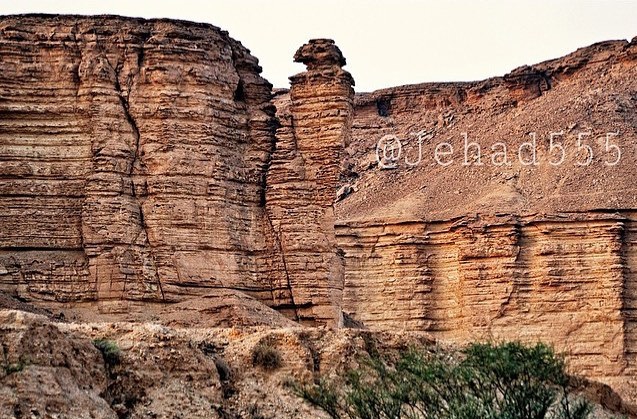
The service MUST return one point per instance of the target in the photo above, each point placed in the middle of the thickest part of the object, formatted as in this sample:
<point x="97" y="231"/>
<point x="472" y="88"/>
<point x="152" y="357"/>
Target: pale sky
<point x="389" y="43"/>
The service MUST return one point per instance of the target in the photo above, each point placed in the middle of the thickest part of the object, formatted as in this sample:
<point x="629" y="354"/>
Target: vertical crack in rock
<point x="124" y="98"/>
<point x="276" y="236"/>
<point x="271" y="231"/>
<point x="252" y="95"/>
<point x="76" y="68"/>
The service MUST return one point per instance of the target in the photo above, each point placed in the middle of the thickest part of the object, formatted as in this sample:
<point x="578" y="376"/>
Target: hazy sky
<point x="389" y="43"/>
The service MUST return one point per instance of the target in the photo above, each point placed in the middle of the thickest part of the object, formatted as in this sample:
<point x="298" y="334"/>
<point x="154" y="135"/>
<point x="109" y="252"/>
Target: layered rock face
<point x="139" y="166"/>
<point x="557" y="280"/>
<point x="305" y="167"/>
<point x="533" y="252"/>
<point x="142" y="163"/>
<point x="132" y="163"/>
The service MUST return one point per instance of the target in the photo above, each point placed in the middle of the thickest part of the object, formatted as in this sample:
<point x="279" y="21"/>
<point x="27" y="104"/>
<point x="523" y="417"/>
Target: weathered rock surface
<point x="145" y="176"/>
<point x="130" y="150"/>
<point x="302" y="179"/>
<point x="531" y="252"/>
<point x="590" y="92"/>
<point x="163" y="372"/>
<point x="46" y="371"/>
<point x="133" y="166"/>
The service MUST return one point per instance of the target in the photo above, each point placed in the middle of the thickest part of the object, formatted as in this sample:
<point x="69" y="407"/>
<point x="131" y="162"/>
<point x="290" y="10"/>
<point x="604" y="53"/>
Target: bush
<point x="503" y="381"/>
<point x="267" y="356"/>
<point x="109" y="349"/>
<point x="11" y="368"/>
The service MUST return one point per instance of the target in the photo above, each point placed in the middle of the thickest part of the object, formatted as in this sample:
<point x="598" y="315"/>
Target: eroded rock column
<point x="302" y="180"/>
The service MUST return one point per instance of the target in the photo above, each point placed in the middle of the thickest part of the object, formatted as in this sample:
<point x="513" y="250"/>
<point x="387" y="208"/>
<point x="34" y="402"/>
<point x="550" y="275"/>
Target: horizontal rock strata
<point x="531" y="252"/>
<point x="302" y="178"/>
<point x="132" y="161"/>
<point x="138" y="166"/>
<point x="144" y="172"/>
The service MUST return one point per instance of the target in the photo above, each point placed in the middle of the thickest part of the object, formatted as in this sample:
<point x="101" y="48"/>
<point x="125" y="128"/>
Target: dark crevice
<point x="279" y="248"/>
<point x="266" y="167"/>
<point x="547" y="81"/>
<point x="277" y="236"/>
<point x="141" y="54"/>
<point x="76" y="69"/>
<point x="124" y="98"/>
<point x="383" y="105"/>
<point x="240" y="95"/>
<point x="239" y="92"/>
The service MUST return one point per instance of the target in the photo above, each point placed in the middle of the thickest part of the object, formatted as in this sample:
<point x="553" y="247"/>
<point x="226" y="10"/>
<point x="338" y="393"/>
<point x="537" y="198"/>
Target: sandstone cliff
<point x="145" y="175"/>
<point x="302" y="179"/>
<point x="134" y="168"/>
<point x="129" y="148"/>
<point x="503" y="252"/>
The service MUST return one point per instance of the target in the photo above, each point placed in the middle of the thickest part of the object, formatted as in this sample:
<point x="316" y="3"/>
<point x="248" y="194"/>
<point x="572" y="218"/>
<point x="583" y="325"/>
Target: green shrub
<point x="13" y="367"/>
<point x="109" y="349"/>
<point x="267" y="356"/>
<point x="494" y="381"/>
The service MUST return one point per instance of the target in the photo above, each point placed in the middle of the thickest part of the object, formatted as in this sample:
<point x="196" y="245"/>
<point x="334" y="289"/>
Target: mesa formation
<point x="148" y="173"/>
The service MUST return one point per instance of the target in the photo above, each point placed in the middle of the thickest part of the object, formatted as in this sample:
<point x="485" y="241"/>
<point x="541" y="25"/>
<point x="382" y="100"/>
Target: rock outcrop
<point x="130" y="150"/>
<point x="305" y="167"/>
<point x="134" y="162"/>
<point x="146" y="174"/>
<point x="515" y="251"/>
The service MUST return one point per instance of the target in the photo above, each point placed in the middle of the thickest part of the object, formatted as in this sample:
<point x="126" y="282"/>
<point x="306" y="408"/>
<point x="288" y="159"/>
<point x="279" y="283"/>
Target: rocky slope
<point x="513" y="251"/>
<point x="589" y="93"/>
<point x="54" y="370"/>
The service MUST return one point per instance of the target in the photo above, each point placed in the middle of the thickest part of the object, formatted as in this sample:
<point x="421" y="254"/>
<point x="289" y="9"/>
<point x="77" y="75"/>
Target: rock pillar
<point x="303" y="178"/>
